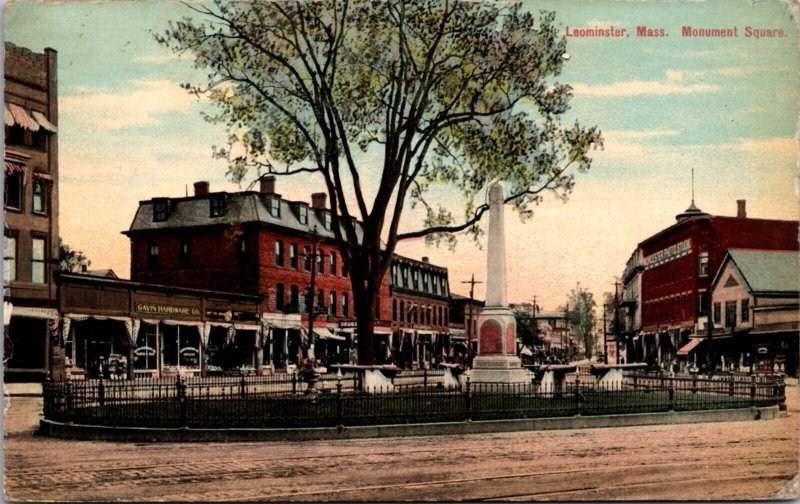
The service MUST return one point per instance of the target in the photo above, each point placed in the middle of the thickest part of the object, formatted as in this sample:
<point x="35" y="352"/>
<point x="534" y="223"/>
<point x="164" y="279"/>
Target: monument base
<point x="498" y="369"/>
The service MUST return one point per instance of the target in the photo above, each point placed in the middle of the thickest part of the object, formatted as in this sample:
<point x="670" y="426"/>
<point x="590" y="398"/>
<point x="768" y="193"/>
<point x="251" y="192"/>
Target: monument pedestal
<point x="497" y="361"/>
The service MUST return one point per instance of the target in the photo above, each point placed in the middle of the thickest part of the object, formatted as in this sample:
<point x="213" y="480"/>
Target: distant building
<point x="30" y="113"/>
<point x="464" y="323"/>
<point x="677" y="265"/>
<point x="755" y="303"/>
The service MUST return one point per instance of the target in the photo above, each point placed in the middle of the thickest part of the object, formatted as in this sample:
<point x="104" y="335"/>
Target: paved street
<point x="723" y="461"/>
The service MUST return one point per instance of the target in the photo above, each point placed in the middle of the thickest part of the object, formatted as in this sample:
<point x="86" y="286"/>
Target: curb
<point x="185" y="434"/>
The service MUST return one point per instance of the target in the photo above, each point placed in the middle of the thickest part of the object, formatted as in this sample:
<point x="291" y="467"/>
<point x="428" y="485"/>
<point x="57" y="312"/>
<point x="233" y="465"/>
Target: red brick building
<point x="255" y="242"/>
<point x="30" y="113"/>
<point x="679" y="263"/>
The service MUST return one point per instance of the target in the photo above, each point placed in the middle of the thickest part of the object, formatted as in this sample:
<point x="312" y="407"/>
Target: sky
<point x="726" y="107"/>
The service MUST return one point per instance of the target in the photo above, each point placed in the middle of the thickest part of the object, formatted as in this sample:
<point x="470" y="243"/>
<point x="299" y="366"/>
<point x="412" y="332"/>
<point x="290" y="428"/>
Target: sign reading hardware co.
<point x="162" y="309"/>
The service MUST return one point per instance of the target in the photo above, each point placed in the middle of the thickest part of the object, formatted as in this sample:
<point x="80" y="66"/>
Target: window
<point x="152" y="256"/>
<point x="394" y="310"/>
<point x="302" y="212"/>
<point x="332" y="263"/>
<point x="306" y="259"/>
<point x="402" y="311"/>
<point x="327" y="220"/>
<point x="279" y="253"/>
<point x="306" y="301"/>
<point x="745" y="310"/>
<point x="394" y="275"/>
<point x="217" y="204"/>
<point x="279" y="297"/>
<point x="294" y="299"/>
<point x="717" y="313"/>
<point x="344" y="305"/>
<point x="415" y="279"/>
<point x="730" y="313"/>
<point x="10" y="259"/>
<point x="703" y="264"/>
<point x="436" y="280"/>
<point x="38" y="260"/>
<point x="425" y="281"/>
<point x="186" y="254"/>
<point x="293" y="256"/>
<point x="244" y="251"/>
<point x="159" y="210"/>
<point x="445" y="317"/>
<point x="332" y="303"/>
<point x="345" y="269"/>
<point x="320" y="301"/>
<point x="274" y="206"/>
<point x="435" y="318"/>
<point x="39" y="139"/>
<point x="404" y="274"/>
<point x="15" y="135"/>
<point x="320" y="262"/>
<point x="14" y="182"/>
<point x="39" y="197"/>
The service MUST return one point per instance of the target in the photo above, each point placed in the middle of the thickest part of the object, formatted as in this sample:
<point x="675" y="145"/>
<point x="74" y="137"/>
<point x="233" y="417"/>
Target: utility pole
<point x="605" y="332"/>
<point x="468" y="322"/>
<point x="617" y="285"/>
<point x="314" y="240"/>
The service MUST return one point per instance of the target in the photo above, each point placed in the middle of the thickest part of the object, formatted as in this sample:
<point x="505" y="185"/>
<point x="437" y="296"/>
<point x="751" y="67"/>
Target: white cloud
<point x="94" y="109"/>
<point x="637" y="135"/>
<point x="639" y="87"/>
<point x="162" y="58"/>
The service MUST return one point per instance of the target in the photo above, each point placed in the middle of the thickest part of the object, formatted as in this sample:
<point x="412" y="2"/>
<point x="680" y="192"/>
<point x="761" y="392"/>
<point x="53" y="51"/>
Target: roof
<point x="242" y="207"/>
<point x="767" y="271"/>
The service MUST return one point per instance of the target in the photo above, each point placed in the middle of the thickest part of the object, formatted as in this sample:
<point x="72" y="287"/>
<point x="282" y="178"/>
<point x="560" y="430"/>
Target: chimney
<point x="268" y="184"/>
<point x="201" y="188"/>
<point x="741" y="213"/>
<point x="318" y="201"/>
<point x="425" y="259"/>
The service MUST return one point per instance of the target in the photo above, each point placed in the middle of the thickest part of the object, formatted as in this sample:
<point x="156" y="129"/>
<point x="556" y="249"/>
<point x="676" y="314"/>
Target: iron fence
<point x="272" y="402"/>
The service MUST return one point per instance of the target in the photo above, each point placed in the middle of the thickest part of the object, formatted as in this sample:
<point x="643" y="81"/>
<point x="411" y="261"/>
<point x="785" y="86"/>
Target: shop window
<point x="302" y="212"/>
<point x="332" y="304"/>
<point x="15" y="135"/>
<point x="730" y="313"/>
<point x="152" y="256"/>
<point x="345" y="311"/>
<point x="717" y="313"/>
<point x="294" y="299"/>
<point x="39" y="197"/>
<point x="703" y="264"/>
<point x="217" y="205"/>
<point x="180" y="346"/>
<point x="145" y="353"/>
<point x="38" y="261"/>
<point x="9" y="259"/>
<point x="745" y="310"/>
<point x="279" y="297"/>
<point x="13" y="199"/>
<point x="275" y="207"/>
<point x="306" y="259"/>
<point x="332" y="263"/>
<point x="186" y="254"/>
<point x="293" y="256"/>
<point x="279" y="253"/>
<point x="320" y="262"/>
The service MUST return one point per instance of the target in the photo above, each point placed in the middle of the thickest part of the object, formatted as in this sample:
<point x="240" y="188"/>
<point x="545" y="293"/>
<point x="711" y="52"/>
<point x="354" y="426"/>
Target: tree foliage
<point x="69" y="260"/>
<point x="450" y="92"/>
<point x="582" y="318"/>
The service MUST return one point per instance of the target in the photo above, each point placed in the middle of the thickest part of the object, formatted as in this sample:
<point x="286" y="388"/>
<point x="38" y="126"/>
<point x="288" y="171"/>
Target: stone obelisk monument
<point x="497" y="361"/>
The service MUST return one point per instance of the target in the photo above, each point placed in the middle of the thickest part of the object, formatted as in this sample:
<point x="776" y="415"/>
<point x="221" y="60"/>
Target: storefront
<point x="27" y="342"/>
<point x="121" y="329"/>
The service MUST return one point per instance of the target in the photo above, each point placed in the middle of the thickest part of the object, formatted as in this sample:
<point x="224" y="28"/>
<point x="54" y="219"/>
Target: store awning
<point x="688" y="347"/>
<point x="13" y="167"/>
<point x="382" y="330"/>
<point x="44" y="122"/>
<point x="325" y="333"/>
<point x="21" y="117"/>
<point x="42" y="176"/>
<point x="8" y="118"/>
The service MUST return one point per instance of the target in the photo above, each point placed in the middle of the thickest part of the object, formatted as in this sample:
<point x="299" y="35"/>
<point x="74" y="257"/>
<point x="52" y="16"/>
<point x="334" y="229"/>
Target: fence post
<point x="339" y="400"/>
<point x="671" y="392"/>
<point x="101" y="392"/>
<point x="782" y="393"/>
<point x="730" y="386"/>
<point x="68" y="397"/>
<point x="578" y="393"/>
<point x="241" y="385"/>
<point x="424" y="378"/>
<point x="694" y="384"/>
<point x="181" y="386"/>
<point x="753" y="390"/>
<point x="468" y="399"/>
<point x="294" y="383"/>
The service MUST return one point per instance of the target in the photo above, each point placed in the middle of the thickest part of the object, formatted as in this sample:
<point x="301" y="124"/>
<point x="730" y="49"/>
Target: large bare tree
<point x="446" y="92"/>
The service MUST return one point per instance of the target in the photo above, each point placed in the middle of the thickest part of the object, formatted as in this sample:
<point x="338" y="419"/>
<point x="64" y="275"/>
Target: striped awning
<point x="688" y="347"/>
<point x="12" y="167"/>
<point x="8" y="117"/>
<point x="44" y="122"/>
<point x="22" y="118"/>
<point x="43" y="176"/>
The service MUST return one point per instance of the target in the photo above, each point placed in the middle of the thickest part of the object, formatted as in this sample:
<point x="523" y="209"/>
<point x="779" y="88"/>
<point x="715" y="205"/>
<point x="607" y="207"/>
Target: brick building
<point x="258" y="243"/>
<point x="677" y="266"/>
<point x="30" y="114"/>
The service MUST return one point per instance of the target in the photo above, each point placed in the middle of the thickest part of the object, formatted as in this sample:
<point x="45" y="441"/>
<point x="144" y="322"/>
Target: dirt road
<point x="722" y="461"/>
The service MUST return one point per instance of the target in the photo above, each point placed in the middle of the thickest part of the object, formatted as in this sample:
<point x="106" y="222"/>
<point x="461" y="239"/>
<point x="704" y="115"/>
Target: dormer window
<point x="217" y="204"/>
<point x="302" y="213"/>
<point x="327" y="220"/>
<point x="160" y="210"/>
<point x="274" y="207"/>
